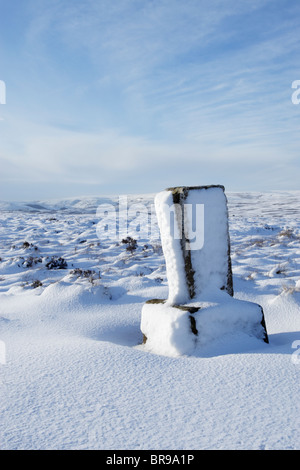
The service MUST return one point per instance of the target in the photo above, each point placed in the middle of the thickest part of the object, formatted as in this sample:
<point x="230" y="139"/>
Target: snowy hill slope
<point x="74" y="374"/>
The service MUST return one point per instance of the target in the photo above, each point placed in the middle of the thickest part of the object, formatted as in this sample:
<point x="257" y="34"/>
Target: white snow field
<point x="74" y="373"/>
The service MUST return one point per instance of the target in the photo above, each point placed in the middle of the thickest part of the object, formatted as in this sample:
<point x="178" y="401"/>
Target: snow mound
<point x="82" y="292"/>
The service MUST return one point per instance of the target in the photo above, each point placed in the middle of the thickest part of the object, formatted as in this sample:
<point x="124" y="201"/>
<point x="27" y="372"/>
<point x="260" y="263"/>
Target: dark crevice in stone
<point x="187" y="308"/>
<point x="193" y="325"/>
<point x="179" y="196"/>
<point x="263" y="324"/>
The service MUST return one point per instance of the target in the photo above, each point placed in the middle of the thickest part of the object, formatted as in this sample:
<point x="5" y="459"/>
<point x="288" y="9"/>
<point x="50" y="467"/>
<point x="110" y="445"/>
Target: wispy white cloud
<point x="115" y="87"/>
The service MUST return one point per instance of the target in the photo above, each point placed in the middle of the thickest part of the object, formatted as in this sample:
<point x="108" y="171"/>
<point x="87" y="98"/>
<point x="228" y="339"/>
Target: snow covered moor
<point x="74" y="371"/>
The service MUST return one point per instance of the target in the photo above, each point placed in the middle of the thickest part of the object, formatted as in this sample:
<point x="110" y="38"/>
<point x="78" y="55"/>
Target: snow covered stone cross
<point x="200" y="308"/>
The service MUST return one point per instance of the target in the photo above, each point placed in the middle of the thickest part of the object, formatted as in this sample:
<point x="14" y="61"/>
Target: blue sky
<point x="132" y="96"/>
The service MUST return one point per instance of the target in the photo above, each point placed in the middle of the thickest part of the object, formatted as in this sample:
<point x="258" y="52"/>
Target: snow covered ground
<point x="73" y="372"/>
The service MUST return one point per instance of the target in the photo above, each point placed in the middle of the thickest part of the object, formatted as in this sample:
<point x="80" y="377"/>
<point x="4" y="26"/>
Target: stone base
<point x="176" y="330"/>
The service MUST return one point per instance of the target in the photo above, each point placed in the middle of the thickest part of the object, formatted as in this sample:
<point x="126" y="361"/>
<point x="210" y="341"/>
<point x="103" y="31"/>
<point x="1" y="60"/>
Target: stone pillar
<point x="193" y="223"/>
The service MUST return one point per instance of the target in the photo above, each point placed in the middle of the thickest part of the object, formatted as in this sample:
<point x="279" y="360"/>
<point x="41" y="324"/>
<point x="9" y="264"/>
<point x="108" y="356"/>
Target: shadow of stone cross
<point x="193" y="223"/>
